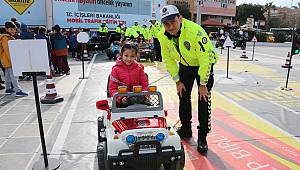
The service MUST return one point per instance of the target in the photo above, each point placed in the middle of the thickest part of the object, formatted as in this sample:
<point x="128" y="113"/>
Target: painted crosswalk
<point x="271" y="95"/>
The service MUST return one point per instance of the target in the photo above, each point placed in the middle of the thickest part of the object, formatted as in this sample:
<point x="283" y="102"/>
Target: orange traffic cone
<point x="287" y="62"/>
<point x="51" y="93"/>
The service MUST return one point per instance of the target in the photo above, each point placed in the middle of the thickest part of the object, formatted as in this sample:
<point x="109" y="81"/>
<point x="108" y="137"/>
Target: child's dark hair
<point x="56" y="28"/>
<point x="129" y="47"/>
<point x="10" y="24"/>
<point x="42" y="30"/>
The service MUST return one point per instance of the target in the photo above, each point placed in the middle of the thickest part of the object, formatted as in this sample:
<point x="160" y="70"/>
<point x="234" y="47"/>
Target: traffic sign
<point x="254" y="39"/>
<point x="228" y="42"/>
<point x="20" y="6"/>
<point x="83" y="37"/>
<point x="223" y="37"/>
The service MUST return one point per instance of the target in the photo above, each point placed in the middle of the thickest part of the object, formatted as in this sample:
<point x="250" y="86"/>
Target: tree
<point x="184" y="11"/>
<point x="268" y="7"/>
<point x="244" y="11"/>
<point x="297" y="7"/>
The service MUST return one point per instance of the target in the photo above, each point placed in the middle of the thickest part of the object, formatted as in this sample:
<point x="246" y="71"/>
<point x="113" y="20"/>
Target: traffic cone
<point x="244" y="54"/>
<point x="51" y="93"/>
<point x="287" y="61"/>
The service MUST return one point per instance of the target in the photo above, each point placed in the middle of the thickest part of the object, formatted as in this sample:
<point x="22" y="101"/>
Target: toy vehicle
<point x="146" y="51"/>
<point x="137" y="136"/>
<point x="113" y="51"/>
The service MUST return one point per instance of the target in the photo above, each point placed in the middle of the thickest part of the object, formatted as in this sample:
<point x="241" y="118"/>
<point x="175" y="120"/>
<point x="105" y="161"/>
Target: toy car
<point x="137" y="136"/>
<point x="147" y="52"/>
<point x="114" y="50"/>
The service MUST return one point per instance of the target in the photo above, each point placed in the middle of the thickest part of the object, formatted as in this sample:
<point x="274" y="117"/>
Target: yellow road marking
<point x="232" y="96"/>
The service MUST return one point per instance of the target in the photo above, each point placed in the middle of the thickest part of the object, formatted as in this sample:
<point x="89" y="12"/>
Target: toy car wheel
<point x="101" y="129"/>
<point x="178" y="164"/>
<point x="101" y="154"/>
<point x="152" y="57"/>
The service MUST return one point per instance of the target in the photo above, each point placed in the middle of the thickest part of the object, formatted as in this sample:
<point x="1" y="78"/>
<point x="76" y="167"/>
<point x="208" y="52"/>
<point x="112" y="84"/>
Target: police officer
<point x="187" y="43"/>
<point x="154" y="30"/>
<point x="119" y="31"/>
<point x="103" y="28"/>
<point x="103" y="37"/>
<point x="137" y="27"/>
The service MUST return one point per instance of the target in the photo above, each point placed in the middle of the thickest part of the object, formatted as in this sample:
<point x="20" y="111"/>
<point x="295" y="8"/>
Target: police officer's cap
<point x="168" y="13"/>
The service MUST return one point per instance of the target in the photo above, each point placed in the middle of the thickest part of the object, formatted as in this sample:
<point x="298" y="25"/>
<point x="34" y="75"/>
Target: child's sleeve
<point x="113" y="86"/>
<point x="5" y="46"/>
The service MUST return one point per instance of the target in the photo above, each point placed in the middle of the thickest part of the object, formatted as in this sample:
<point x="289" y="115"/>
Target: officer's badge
<point x="187" y="45"/>
<point x="204" y="40"/>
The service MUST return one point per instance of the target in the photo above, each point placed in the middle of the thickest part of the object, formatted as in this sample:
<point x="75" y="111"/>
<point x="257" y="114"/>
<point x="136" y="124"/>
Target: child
<point x="127" y="72"/>
<point x="10" y="29"/>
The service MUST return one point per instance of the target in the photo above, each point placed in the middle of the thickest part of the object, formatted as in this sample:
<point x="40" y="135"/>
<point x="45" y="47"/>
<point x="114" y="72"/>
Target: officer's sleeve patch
<point x="204" y="40"/>
<point x="187" y="45"/>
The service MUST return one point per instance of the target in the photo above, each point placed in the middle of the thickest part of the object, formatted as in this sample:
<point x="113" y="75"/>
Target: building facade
<point x="212" y="12"/>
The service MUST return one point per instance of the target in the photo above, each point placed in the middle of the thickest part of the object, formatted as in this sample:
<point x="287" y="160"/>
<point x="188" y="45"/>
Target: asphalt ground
<point x="254" y="122"/>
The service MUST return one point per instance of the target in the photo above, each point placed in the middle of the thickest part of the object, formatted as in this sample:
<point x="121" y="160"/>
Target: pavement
<point x="254" y="122"/>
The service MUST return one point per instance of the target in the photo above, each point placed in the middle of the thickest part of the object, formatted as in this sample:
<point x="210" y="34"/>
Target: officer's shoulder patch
<point x="187" y="45"/>
<point x="204" y="40"/>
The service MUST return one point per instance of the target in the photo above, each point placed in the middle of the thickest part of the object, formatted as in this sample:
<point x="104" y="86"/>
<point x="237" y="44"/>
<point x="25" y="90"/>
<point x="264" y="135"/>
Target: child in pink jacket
<point x="127" y="72"/>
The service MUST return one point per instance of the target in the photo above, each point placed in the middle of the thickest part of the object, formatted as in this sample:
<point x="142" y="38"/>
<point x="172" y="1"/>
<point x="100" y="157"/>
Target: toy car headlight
<point x="160" y="137"/>
<point x="130" y="139"/>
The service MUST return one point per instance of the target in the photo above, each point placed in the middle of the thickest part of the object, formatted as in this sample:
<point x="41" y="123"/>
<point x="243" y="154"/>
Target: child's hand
<point x="124" y="100"/>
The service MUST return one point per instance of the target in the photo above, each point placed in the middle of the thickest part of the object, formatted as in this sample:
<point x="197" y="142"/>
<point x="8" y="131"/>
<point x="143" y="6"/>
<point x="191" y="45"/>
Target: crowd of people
<point x="57" y="43"/>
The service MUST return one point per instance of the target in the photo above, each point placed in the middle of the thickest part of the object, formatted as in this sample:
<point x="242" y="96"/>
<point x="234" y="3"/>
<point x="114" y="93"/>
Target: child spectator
<point x="127" y="72"/>
<point x="41" y="34"/>
<point x="10" y="29"/>
<point x="60" y="51"/>
<point x="73" y="43"/>
<point x="24" y="33"/>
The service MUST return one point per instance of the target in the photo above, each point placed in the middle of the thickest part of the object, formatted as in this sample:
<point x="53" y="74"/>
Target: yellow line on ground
<point x="254" y="96"/>
<point x="232" y="96"/>
<point x="242" y="96"/>
<point x="262" y="95"/>
<point x="282" y="94"/>
<point x="272" y="95"/>
<point x="251" y="119"/>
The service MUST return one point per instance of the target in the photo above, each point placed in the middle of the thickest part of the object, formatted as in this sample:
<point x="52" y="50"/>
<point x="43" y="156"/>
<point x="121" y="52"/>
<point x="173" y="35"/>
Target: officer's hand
<point x="203" y="92"/>
<point x="180" y="86"/>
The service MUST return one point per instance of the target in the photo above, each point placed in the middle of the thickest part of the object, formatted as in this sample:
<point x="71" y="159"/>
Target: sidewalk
<point x="19" y="132"/>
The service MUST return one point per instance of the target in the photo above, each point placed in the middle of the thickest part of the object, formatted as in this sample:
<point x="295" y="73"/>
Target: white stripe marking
<point x="61" y="138"/>
<point x="30" y="163"/>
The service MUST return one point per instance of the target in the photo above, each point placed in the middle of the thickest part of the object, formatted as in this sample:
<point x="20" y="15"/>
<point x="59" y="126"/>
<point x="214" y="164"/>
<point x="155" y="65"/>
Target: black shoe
<point x="202" y="143"/>
<point x="185" y="132"/>
<point x="202" y="146"/>
<point x="1" y="87"/>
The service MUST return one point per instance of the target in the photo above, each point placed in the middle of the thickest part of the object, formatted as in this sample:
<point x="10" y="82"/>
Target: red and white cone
<point x="51" y="93"/>
<point x="287" y="61"/>
<point x="244" y="54"/>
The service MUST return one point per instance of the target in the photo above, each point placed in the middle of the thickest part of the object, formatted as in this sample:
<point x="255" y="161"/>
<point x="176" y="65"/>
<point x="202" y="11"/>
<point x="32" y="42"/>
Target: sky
<point x="286" y="3"/>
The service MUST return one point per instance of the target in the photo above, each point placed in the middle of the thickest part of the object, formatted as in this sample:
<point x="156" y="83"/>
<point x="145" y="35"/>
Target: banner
<point x="91" y="13"/>
<point x="31" y="12"/>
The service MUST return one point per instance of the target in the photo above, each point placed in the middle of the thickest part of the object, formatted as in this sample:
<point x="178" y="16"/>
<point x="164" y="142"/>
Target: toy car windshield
<point x="136" y="101"/>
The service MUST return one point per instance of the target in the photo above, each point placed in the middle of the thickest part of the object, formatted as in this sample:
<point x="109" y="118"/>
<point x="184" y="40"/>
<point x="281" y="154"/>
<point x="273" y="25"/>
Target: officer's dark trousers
<point x="188" y="74"/>
<point x="157" y="49"/>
